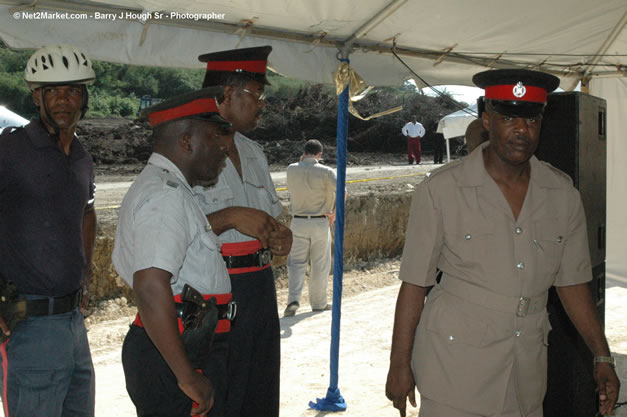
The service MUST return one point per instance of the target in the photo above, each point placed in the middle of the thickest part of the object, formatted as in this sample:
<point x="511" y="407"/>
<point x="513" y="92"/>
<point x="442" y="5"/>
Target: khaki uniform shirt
<point x="312" y="188"/>
<point x="470" y="342"/>
<point x="254" y="189"/>
<point x="161" y="226"/>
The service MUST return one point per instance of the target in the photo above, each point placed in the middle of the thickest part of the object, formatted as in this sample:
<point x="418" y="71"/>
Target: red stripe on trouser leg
<point x="5" y="375"/>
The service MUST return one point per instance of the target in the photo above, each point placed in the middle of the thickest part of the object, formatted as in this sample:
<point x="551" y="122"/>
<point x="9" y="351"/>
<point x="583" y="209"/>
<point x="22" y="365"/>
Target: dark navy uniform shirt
<point x="43" y="197"/>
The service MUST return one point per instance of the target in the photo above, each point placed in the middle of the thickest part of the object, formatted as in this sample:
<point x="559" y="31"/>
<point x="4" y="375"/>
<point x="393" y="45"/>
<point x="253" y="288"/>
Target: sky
<point x="460" y="93"/>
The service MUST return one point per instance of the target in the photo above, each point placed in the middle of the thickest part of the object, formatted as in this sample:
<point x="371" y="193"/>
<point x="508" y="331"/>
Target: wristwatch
<point x="605" y="359"/>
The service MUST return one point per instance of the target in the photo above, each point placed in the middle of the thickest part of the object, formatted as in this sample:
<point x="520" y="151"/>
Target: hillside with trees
<point x="295" y="110"/>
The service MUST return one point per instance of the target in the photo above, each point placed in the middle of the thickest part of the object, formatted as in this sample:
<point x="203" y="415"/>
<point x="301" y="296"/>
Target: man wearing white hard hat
<point x="47" y="230"/>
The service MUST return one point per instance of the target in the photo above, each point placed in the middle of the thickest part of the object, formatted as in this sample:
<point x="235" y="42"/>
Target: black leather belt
<point x="54" y="305"/>
<point x="225" y="311"/>
<point x="310" y="217"/>
<point x="258" y="259"/>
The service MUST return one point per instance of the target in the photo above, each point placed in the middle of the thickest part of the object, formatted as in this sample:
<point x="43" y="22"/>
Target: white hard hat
<point x="58" y="64"/>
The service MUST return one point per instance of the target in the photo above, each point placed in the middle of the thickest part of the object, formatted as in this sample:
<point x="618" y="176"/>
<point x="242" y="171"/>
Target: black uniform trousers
<point x="438" y="148"/>
<point x="153" y="387"/>
<point x="255" y="347"/>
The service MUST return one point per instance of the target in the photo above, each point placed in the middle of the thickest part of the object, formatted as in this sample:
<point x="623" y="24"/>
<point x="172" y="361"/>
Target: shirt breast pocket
<point x="549" y="244"/>
<point x="260" y="197"/>
<point x="215" y="198"/>
<point x="471" y="241"/>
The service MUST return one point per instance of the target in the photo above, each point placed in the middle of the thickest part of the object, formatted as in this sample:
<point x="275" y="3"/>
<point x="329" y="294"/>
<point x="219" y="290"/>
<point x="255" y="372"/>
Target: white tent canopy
<point x="443" y="41"/>
<point x="8" y="118"/>
<point x="455" y="124"/>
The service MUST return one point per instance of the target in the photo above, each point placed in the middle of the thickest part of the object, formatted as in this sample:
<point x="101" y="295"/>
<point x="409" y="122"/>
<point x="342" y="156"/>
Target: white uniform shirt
<point x="161" y="226"/>
<point x="312" y="188"/>
<point x="413" y="130"/>
<point x="255" y="189"/>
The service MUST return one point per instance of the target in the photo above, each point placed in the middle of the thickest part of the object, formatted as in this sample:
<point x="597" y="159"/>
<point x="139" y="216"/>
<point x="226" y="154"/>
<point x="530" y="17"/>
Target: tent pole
<point x="448" y="151"/>
<point x="334" y="400"/>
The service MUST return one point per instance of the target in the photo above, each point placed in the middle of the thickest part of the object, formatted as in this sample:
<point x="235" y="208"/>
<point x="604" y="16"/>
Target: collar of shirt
<point x="310" y="160"/>
<point x="40" y="138"/>
<point x="474" y="173"/>
<point x="164" y="163"/>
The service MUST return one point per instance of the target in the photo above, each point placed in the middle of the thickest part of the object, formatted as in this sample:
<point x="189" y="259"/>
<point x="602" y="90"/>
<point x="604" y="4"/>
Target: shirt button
<point x="468" y="237"/>
<point x="559" y="239"/>
<point x="518" y="230"/>
<point x="451" y="338"/>
<point x="520" y="265"/>
<point x="518" y="333"/>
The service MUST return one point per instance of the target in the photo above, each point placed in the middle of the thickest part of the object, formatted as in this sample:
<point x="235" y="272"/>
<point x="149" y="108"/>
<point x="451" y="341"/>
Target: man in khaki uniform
<point x="503" y="227"/>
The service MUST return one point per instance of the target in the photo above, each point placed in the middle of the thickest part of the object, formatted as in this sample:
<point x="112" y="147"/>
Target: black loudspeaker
<point x="573" y="139"/>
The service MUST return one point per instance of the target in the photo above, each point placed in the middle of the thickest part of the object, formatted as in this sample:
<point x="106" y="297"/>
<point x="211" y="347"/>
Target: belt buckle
<point x="264" y="257"/>
<point x="228" y="260"/>
<point x="523" y="306"/>
<point x="231" y="310"/>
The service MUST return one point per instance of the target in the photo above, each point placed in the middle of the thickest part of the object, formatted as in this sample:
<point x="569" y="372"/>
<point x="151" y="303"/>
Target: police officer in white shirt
<point x="163" y="242"/>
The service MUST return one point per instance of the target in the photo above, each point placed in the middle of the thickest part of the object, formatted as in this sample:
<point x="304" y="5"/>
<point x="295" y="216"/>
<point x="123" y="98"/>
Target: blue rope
<point x="334" y="400"/>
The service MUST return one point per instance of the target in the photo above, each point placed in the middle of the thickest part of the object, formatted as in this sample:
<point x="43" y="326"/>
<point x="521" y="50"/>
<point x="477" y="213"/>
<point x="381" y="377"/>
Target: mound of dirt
<point x="285" y="126"/>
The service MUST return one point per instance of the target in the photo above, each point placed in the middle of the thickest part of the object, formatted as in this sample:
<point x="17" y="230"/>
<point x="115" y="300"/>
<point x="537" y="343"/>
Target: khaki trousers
<point x="430" y="408"/>
<point x="311" y="242"/>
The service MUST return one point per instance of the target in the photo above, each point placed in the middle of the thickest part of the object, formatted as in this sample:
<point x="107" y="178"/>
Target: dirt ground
<point x="369" y="295"/>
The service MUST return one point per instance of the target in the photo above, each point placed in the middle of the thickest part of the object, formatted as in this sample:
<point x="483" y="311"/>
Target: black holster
<point x="200" y="319"/>
<point x="12" y="309"/>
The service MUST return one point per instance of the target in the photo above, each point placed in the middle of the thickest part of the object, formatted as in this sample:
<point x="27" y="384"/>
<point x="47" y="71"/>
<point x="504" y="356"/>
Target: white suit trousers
<point x="311" y="241"/>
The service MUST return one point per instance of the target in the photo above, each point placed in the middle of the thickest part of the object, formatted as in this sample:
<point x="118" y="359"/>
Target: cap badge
<point x="519" y="90"/>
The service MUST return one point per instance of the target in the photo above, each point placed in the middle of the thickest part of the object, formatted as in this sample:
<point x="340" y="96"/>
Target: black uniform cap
<point x="198" y="104"/>
<point x="516" y="92"/>
<point x="251" y="62"/>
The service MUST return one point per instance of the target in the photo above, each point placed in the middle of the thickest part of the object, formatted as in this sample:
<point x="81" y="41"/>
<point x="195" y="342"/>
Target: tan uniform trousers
<point x="430" y="408"/>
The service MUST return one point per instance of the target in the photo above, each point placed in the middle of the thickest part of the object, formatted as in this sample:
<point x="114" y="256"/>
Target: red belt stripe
<point x="224" y="325"/>
<point x="239" y="249"/>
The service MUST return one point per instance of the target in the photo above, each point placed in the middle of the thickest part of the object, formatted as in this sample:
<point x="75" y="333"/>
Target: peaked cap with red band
<point x="199" y="104"/>
<point x="516" y="92"/>
<point x="250" y="62"/>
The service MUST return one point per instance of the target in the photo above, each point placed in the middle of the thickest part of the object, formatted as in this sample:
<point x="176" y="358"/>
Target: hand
<point x="331" y="218"/>
<point x="85" y="297"/>
<point x="400" y="386"/>
<point x="4" y="327"/>
<point x="252" y="222"/>
<point x="200" y="390"/>
<point x="281" y="240"/>
<point x="609" y="387"/>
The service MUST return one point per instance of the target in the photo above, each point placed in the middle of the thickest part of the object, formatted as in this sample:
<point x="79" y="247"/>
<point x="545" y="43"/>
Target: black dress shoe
<point x="291" y="308"/>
